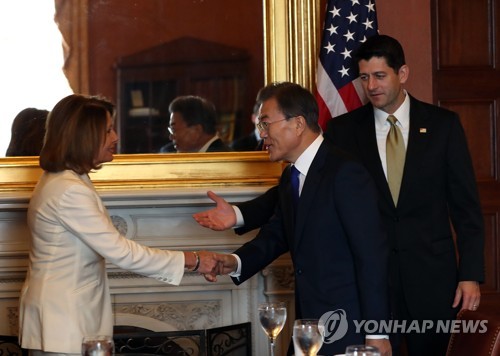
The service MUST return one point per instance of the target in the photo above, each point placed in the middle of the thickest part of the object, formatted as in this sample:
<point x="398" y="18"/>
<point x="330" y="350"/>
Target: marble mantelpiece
<point x="157" y="212"/>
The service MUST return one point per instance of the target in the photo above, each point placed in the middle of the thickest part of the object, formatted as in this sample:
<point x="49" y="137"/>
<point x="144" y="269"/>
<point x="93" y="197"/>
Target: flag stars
<point x="352" y="18"/>
<point x="344" y="71"/>
<point x="332" y="29"/>
<point x="348" y="23"/>
<point x="329" y="48"/>
<point x="346" y="54"/>
<point x="368" y="24"/>
<point x="370" y="6"/>
<point x="335" y="12"/>
<point x="349" y="36"/>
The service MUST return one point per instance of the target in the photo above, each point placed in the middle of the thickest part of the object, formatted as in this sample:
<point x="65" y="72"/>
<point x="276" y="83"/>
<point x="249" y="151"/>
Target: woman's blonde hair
<point x="75" y="132"/>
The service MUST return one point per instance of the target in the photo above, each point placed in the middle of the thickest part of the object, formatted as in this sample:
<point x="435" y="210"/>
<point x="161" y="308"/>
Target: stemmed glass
<point x="101" y="345"/>
<point x="272" y="316"/>
<point x="307" y="336"/>
<point x="361" y="350"/>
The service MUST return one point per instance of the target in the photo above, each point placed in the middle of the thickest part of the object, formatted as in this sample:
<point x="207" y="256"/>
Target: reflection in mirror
<point x="100" y="35"/>
<point x="150" y="80"/>
<point x="290" y="49"/>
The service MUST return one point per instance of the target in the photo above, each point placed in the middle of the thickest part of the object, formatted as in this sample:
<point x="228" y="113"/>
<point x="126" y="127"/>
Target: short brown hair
<point x="75" y="132"/>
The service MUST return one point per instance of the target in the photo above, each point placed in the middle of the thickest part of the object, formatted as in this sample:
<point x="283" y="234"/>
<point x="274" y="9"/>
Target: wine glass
<point x="361" y="350"/>
<point x="100" y="345"/>
<point x="272" y="316"/>
<point x="307" y="336"/>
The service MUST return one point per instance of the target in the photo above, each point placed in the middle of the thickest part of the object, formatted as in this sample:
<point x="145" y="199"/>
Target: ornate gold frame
<point x="291" y="36"/>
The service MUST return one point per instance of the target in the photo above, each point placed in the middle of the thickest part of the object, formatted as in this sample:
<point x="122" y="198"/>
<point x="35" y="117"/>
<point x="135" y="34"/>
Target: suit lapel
<point x="368" y="150"/>
<point x="287" y="203"/>
<point x="417" y="143"/>
<point x="309" y="191"/>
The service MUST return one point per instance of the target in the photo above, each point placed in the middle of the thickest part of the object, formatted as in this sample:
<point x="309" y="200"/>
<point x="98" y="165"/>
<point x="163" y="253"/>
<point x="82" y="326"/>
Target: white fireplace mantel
<point x="160" y="215"/>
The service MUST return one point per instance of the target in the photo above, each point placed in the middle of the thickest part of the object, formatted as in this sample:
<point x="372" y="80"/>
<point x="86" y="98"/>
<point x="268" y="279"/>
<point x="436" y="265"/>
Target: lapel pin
<point x="423" y="130"/>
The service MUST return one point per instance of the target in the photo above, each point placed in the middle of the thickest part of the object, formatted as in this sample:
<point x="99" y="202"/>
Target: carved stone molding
<point x="279" y="285"/>
<point x="12" y="279"/>
<point x="182" y="316"/>
<point x="279" y="279"/>
<point x="13" y="319"/>
<point x="120" y="224"/>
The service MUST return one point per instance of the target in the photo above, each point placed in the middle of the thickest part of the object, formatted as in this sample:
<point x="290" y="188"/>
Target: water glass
<point x="307" y="336"/>
<point x="100" y="345"/>
<point x="272" y="318"/>
<point x="361" y="350"/>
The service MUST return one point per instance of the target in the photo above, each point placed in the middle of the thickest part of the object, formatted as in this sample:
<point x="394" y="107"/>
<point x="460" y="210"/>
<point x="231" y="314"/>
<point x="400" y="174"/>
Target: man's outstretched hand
<point x="220" y="218"/>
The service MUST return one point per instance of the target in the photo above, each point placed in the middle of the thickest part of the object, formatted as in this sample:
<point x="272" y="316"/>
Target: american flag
<point x="347" y="24"/>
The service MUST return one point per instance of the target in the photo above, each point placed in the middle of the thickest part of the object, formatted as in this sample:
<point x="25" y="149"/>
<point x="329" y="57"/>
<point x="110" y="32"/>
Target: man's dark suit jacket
<point x="246" y="143"/>
<point x="216" y="146"/>
<point x="438" y="186"/>
<point x="337" y="243"/>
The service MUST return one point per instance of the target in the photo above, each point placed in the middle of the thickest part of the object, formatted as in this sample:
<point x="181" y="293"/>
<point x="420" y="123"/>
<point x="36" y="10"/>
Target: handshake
<point x="210" y="264"/>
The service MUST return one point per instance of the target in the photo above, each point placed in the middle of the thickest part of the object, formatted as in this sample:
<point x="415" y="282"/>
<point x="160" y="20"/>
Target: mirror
<point x="290" y="32"/>
<point x="144" y="54"/>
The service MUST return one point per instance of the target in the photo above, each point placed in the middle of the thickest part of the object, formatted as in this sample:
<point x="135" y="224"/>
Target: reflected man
<point x="252" y="141"/>
<point x="193" y="126"/>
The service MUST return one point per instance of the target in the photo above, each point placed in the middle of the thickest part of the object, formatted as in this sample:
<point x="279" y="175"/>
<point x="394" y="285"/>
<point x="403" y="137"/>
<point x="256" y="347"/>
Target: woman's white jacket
<point x="66" y="293"/>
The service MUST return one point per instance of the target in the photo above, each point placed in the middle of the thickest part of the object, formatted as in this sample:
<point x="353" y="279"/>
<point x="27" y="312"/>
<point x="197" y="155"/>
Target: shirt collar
<point x="207" y="145"/>
<point x="305" y="159"/>
<point x="402" y="114"/>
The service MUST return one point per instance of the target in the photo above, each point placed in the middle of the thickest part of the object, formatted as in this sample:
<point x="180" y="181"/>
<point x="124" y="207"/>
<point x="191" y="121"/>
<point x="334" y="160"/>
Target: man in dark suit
<point x="193" y="126"/>
<point x="252" y="141"/>
<point x="339" y="262"/>
<point x="438" y="187"/>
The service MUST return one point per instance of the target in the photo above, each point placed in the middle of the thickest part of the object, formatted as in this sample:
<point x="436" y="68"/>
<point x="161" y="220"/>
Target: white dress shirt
<point x="208" y="143"/>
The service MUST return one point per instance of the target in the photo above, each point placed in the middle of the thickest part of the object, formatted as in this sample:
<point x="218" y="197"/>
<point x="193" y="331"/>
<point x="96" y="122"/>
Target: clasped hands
<point x="213" y="264"/>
